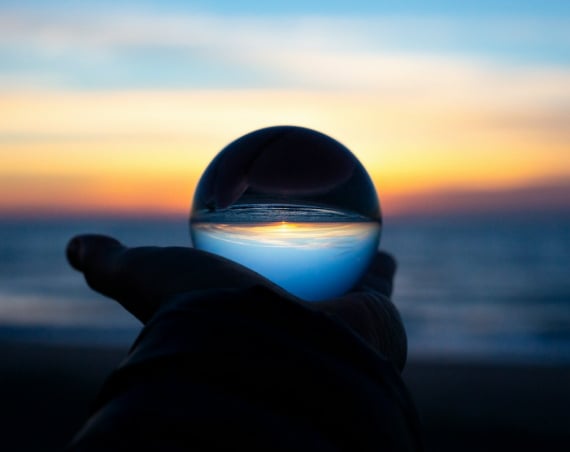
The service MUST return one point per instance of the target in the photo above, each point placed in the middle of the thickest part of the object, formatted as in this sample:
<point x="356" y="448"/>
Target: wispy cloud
<point x="546" y="197"/>
<point x="114" y="29"/>
<point x="373" y="55"/>
<point x="292" y="51"/>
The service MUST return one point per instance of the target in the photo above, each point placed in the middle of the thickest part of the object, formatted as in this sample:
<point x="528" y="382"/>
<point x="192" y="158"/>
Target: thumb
<point x="101" y="259"/>
<point x="142" y="278"/>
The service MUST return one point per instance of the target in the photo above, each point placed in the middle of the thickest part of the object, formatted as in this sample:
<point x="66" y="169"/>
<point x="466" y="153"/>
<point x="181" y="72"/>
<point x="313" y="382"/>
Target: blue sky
<point x="175" y="44"/>
<point x="481" y="7"/>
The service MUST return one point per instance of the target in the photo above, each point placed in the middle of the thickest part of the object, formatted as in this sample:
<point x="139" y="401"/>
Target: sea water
<point x="490" y="289"/>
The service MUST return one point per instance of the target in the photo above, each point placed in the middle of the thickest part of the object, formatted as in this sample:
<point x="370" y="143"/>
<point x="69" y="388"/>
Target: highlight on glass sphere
<point x="292" y="204"/>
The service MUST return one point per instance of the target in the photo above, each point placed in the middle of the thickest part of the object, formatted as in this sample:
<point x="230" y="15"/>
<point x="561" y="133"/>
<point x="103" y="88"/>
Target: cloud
<point x="534" y="198"/>
<point x="377" y="55"/>
<point x="300" y="51"/>
<point x="117" y="28"/>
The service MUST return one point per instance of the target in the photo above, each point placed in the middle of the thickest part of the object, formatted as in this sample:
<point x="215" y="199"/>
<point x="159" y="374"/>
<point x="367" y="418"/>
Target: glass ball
<point x="292" y="204"/>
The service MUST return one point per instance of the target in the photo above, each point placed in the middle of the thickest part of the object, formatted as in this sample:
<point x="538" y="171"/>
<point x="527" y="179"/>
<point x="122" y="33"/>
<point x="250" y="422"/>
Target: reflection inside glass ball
<point x="293" y="205"/>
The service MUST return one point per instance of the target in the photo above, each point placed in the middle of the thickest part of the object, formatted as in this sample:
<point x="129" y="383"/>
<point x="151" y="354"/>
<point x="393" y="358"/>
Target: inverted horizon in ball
<point x="292" y="204"/>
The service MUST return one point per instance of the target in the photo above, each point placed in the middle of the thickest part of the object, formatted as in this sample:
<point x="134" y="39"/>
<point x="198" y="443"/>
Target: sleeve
<point x="228" y="369"/>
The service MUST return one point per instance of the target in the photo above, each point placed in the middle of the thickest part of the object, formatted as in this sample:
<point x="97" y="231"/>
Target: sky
<point x="117" y="107"/>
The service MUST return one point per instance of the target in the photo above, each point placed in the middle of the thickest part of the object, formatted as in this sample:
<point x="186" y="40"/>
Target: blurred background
<point x="460" y="111"/>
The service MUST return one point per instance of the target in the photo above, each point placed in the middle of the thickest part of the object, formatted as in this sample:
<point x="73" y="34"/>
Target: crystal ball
<point x="292" y="204"/>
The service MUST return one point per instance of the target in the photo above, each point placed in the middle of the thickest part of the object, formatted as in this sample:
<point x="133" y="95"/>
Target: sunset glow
<point x="289" y="234"/>
<point x="421" y="122"/>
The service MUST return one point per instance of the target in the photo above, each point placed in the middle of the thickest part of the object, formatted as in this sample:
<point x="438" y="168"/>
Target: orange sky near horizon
<point x="143" y="151"/>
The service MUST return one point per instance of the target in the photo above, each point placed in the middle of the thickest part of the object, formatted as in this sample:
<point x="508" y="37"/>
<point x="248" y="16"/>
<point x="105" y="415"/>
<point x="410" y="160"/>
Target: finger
<point x="101" y="259"/>
<point x="380" y="275"/>
<point x="375" y="318"/>
<point x="368" y="311"/>
<point x="142" y="278"/>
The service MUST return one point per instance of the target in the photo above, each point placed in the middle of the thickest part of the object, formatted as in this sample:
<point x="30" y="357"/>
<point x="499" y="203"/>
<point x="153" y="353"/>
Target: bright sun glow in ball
<point x="292" y="204"/>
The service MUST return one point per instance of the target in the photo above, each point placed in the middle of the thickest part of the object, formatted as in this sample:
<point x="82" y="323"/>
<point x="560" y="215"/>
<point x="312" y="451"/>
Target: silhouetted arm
<point x="228" y="359"/>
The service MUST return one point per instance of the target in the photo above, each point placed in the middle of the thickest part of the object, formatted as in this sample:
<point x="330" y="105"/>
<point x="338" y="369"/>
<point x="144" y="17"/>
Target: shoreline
<point x="46" y="391"/>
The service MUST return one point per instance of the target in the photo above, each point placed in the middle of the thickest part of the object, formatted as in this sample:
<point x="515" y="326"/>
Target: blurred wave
<point x="473" y="287"/>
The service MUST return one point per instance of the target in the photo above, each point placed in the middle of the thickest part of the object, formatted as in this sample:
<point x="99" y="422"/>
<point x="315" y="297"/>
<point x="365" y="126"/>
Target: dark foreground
<point x="45" y="392"/>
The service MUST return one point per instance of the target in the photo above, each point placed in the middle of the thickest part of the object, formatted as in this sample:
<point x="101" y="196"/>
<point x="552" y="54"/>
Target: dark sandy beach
<point x="45" y="393"/>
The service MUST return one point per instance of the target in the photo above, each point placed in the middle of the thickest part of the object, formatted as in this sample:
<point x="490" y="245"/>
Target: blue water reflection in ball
<point x="292" y="204"/>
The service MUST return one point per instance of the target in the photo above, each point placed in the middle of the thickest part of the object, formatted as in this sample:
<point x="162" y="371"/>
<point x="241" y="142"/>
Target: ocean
<point x="468" y="288"/>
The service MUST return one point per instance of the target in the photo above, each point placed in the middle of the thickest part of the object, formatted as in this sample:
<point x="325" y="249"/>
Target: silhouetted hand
<point x="143" y="279"/>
